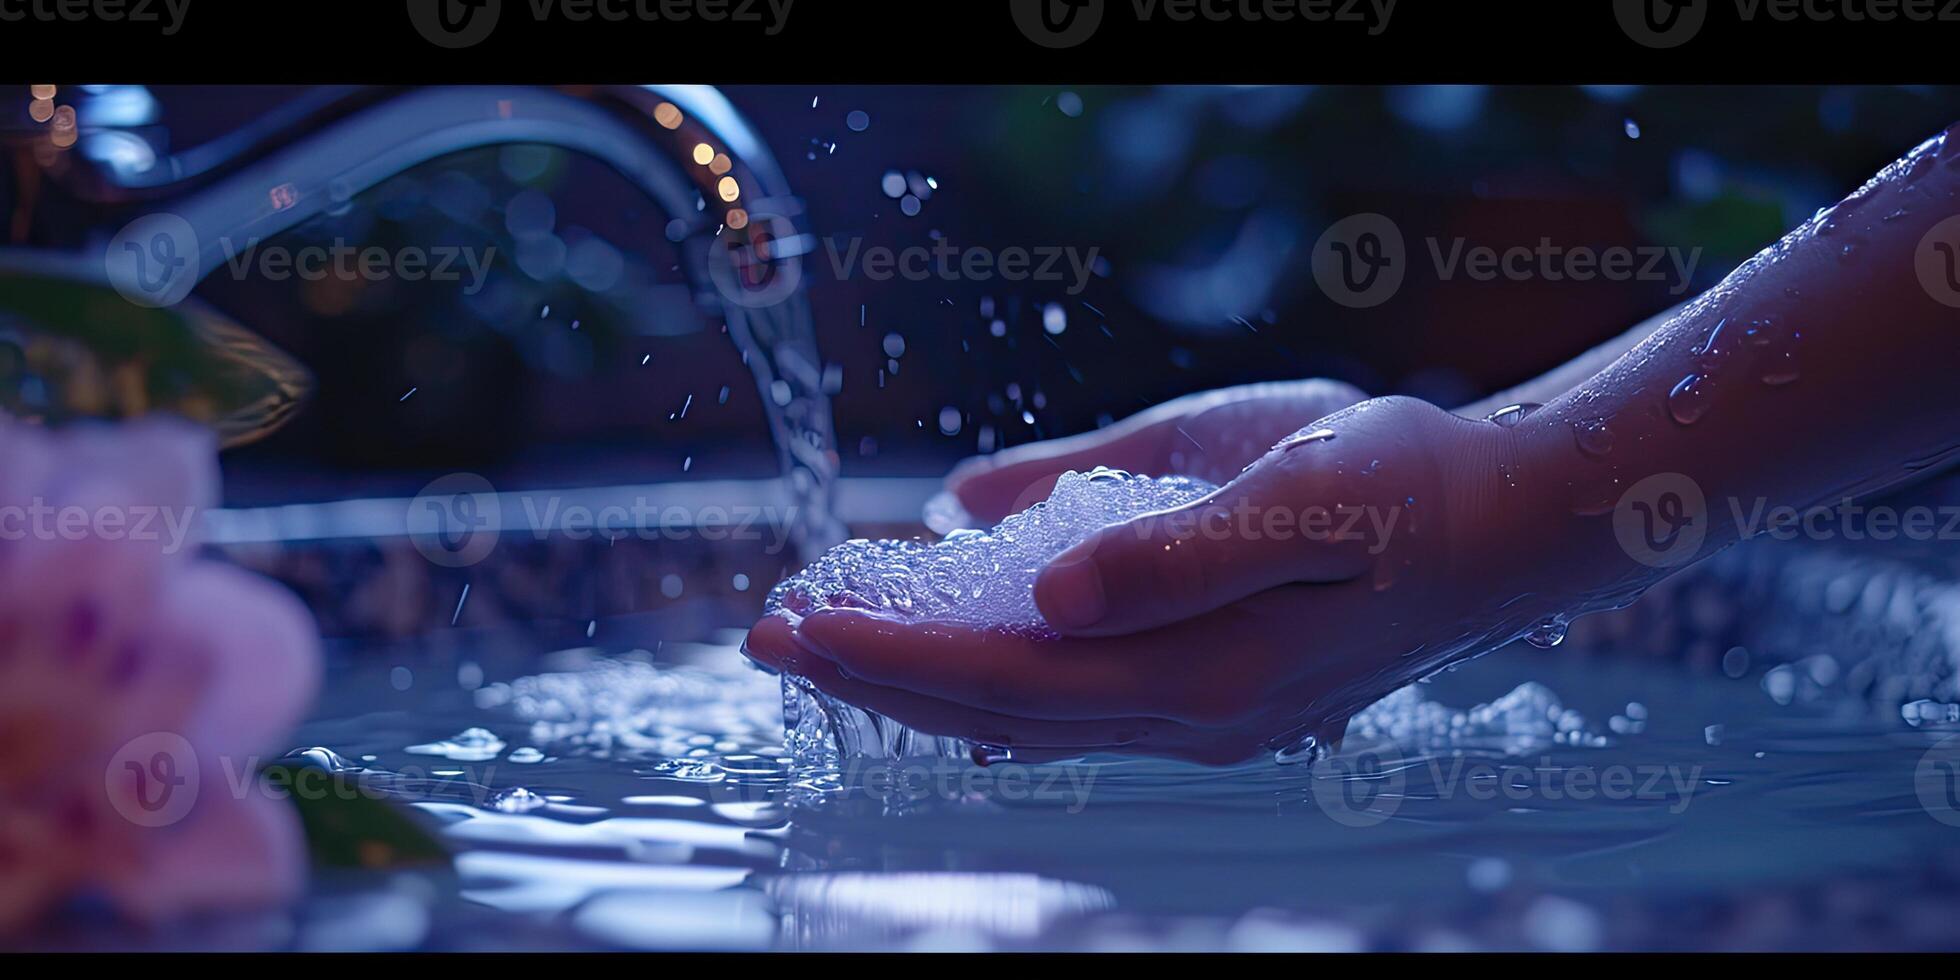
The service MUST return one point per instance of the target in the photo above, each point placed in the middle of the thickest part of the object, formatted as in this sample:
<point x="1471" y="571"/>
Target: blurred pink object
<point x="138" y="684"/>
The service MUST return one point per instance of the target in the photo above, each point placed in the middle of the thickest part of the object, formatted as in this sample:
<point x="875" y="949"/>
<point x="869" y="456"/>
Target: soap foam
<point x="986" y="578"/>
<point x="976" y="578"/>
<point x="979" y="578"/>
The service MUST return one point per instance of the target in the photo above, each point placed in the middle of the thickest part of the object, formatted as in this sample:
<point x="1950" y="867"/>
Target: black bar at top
<point x="919" y="41"/>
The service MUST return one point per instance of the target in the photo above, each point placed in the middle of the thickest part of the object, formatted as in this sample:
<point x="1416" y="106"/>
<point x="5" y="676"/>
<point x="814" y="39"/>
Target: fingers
<point x="993" y="669"/>
<point x="1294" y="517"/>
<point x="1212" y="434"/>
<point x="774" y="642"/>
<point x="1223" y="432"/>
<point x="1212" y="689"/>
<point x="1007" y="482"/>
<point x="1026" y="736"/>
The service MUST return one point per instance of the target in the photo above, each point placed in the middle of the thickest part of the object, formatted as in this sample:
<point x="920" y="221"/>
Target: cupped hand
<point x="1321" y="578"/>
<point x="1211" y="435"/>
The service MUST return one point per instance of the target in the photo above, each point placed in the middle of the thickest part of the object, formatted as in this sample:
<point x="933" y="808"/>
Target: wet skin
<point x="1818" y="371"/>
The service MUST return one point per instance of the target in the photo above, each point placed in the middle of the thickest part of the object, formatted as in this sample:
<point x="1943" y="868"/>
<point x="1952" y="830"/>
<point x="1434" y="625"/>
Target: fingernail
<point x="1073" y="594"/>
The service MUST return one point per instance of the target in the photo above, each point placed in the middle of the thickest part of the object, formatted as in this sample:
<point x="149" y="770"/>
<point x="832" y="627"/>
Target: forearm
<point x="1821" y="370"/>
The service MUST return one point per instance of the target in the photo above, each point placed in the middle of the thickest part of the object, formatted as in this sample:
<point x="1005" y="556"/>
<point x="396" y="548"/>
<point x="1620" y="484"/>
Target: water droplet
<point x="1688" y="402"/>
<point x="1709" y="354"/>
<point x="1054" y="319"/>
<point x="318" y="757"/>
<point x="1510" y="415"/>
<point x="1549" y="632"/>
<point x="1593" y="437"/>
<point x="1307" y="749"/>
<point x="1302" y="438"/>
<point x="517" y="799"/>
<point x="1927" y="711"/>
<point x="690" y="770"/>
<point x="986" y="755"/>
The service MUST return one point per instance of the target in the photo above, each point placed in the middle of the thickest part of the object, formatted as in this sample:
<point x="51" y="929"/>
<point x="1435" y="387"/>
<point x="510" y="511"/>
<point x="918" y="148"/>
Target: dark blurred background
<point x="582" y="360"/>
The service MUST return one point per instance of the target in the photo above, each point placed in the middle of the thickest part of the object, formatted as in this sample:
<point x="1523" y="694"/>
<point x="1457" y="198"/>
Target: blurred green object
<point x="73" y="348"/>
<point x="347" y="826"/>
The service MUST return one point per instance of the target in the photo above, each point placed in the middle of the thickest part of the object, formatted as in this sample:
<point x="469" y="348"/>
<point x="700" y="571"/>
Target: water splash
<point x="977" y="578"/>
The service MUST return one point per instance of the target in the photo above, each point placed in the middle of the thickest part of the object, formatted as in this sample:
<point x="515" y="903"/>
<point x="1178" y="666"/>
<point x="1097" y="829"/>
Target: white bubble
<point x="982" y="578"/>
<point x="1054" y="319"/>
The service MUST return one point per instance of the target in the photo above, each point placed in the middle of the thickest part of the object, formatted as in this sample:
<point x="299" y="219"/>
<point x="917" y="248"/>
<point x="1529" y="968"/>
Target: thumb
<point x="1295" y="516"/>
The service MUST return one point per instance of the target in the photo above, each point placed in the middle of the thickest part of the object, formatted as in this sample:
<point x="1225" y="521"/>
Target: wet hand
<point x="1300" y="592"/>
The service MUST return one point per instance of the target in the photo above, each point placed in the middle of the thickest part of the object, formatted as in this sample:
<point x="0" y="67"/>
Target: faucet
<point x="742" y="238"/>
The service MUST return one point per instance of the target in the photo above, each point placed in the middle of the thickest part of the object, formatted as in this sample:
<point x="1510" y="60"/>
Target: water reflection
<point x="1487" y="842"/>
